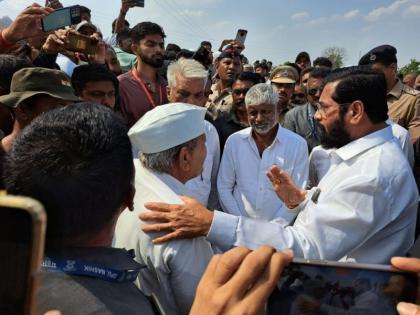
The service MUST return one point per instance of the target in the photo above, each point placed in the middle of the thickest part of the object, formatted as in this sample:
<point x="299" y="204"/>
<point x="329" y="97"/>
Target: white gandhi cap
<point x="167" y="126"/>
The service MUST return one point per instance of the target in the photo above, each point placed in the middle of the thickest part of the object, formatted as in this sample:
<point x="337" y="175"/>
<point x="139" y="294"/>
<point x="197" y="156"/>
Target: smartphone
<point x="240" y="37"/>
<point x="22" y="235"/>
<point x="140" y="3"/>
<point x="81" y="43"/>
<point x="330" y="287"/>
<point x="61" y="18"/>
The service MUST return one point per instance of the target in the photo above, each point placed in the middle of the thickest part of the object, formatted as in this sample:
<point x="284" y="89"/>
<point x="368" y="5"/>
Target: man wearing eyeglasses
<point x="301" y="119"/>
<point x="363" y="210"/>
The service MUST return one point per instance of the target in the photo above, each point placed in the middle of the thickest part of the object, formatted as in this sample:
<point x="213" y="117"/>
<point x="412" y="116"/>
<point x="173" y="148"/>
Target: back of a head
<point x="361" y="83"/>
<point x="253" y="77"/>
<point x="9" y="64"/>
<point x="123" y="34"/>
<point x="322" y="62"/>
<point x="141" y="30"/>
<point x="77" y="162"/>
<point x="319" y="72"/>
<point x="188" y="69"/>
<point x="91" y="73"/>
<point x="260" y="94"/>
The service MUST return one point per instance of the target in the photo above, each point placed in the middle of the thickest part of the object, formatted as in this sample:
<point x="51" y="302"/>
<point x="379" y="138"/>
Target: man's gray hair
<point x="162" y="162"/>
<point x="261" y="93"/>
<point x="186" y="68"/>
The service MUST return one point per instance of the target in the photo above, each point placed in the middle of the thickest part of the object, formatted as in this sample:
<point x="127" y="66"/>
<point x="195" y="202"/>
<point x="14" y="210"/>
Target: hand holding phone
<point x="329" y="287"/>
<point x="61" y="18"/>
<point x="80" y="43"/>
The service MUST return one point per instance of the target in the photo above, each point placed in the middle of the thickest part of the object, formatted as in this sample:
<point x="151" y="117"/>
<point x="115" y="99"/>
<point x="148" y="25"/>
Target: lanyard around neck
<point x="88" y="269"/>
<point x="146" y="90"/>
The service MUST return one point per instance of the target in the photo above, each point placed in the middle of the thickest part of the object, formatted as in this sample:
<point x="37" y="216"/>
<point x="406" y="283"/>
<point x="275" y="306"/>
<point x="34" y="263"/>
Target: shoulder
<point x="297" y="110"/>
<point x="210" y="130"/>
<point x="409" y="90"/>
<point x="125" y="77"/>
<point x="237" y="137"/>
<point x="291" y="137"/>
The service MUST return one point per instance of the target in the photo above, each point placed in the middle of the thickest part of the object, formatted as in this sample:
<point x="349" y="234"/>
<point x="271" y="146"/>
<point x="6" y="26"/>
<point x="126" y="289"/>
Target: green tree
<point x="413" y="66"/>
<point x="336" y="55"/>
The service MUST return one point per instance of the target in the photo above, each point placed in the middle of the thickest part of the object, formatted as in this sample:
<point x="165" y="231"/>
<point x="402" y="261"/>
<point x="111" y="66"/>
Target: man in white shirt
<point x="320" y="158"/>
<point x="187" y="81"/>
<point x="243" y="186"/>
<point x="363" y="210"/>
<point x="171" y="140"/>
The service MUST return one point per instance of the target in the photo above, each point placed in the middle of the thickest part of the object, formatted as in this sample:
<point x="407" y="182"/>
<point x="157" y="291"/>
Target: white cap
<point x="167" y="126"/>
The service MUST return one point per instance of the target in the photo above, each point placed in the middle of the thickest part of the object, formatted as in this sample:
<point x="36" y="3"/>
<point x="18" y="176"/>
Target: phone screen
<point x="15" y="249"/>
<point x="319" y="289"/>
<point x="140" y="3"/>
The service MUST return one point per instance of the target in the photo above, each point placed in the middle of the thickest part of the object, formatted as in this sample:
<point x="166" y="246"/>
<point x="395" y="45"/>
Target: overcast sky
<point x="277" y="29"/>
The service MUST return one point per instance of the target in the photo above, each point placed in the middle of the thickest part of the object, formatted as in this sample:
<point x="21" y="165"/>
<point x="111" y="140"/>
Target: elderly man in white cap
<point x="172" y="148"/>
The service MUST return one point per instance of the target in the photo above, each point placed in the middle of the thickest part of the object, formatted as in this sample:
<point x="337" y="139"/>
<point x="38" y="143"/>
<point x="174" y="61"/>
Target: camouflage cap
<point x="29" y="82"/>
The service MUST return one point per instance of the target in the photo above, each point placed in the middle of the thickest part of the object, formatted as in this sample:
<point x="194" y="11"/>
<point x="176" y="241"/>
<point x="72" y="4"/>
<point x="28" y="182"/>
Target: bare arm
<point x="125" y="6"/>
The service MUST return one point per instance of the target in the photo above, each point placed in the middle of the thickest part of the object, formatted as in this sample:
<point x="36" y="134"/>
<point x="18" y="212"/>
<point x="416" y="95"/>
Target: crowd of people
<point x="183" y="182"/>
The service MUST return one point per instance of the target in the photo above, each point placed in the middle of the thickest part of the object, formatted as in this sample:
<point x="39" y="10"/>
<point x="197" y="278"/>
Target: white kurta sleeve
<point x="226" y="179"/>
<point x="187" y="260"/>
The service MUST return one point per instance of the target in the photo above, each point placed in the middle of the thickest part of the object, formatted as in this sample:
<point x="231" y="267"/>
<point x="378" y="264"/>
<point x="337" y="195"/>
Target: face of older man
<point x="190" y="91"/>
<point x="262" y="118"/>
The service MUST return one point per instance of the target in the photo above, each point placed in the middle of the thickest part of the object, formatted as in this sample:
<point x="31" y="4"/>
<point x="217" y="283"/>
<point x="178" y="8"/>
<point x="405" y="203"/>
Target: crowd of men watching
<point x="186" y="166"/>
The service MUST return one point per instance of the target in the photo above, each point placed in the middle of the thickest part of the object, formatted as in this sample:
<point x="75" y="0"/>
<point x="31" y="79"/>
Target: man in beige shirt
<point x="403" y="101"/>
<point x="228" y="66"/>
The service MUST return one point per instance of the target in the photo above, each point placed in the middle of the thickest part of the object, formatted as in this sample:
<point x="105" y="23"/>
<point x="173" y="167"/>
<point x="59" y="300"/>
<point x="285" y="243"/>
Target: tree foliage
<point x="337" y="55"/>
<point x="413" y="66"/>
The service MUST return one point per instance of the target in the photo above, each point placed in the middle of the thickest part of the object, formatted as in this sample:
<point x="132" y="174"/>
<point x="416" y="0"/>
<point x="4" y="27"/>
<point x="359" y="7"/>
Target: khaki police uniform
<point x="219" y="101"/>
<point x="404" y="108"/>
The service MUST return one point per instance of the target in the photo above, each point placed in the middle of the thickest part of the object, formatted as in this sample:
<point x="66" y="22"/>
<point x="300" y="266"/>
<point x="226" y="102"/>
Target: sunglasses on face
<point x="238" y="92"/>
<point x="298" y="95"/>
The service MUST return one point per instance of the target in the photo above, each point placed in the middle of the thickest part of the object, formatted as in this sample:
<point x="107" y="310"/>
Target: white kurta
<point x="203" y="188"/>
<point x="366" y="211"/>
<point x="244" y="188"/>
<point x="174" y="268"/>
<point x="320" y="158"/>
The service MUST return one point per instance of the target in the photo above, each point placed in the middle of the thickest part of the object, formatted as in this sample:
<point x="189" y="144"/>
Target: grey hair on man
<point x="162" y="162"/>
<point x="188" y="69"/>
<point x="261" y="93"/>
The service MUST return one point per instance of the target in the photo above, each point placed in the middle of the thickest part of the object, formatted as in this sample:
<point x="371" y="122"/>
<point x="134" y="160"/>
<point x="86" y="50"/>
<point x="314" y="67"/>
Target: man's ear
<point x="129" y="198"/>
<point x="22" y="112"/>
<point x="134" y="47"/>
<point x="356" y="111"/>
<point x="184" y="159"/>
<point x="168" y="92"/>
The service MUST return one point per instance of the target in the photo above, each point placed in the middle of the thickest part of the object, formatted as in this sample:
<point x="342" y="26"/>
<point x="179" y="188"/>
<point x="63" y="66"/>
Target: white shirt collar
<point x="174" y="184"/>
<point x="363" y="144"/>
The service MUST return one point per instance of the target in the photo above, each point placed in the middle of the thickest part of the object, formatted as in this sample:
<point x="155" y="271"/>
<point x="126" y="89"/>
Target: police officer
<point x="403" y="101"/>
<point x="283" y="79"/>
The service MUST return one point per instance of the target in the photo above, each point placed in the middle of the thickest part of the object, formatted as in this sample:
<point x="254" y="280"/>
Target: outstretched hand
<point x="284" y="187"/>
